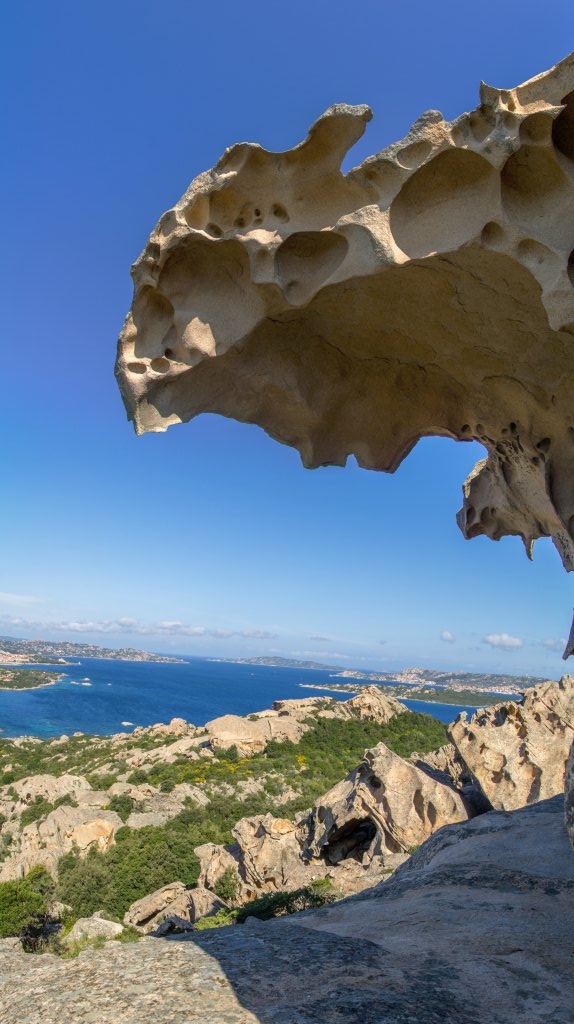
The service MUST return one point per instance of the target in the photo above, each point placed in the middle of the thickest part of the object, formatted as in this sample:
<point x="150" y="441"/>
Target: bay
<point x="99" y="696"/>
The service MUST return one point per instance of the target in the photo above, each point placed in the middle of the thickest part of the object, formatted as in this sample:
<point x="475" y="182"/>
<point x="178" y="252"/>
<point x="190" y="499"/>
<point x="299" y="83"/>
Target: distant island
<point x="278" y="663"/>
<point x="27" y="678"/>
<point x="457" y="682"/>
<point x="15" y="651"/>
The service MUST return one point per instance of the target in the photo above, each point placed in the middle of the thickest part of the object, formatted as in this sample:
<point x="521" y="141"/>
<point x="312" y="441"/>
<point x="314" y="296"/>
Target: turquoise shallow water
<point x="97" y="696"/>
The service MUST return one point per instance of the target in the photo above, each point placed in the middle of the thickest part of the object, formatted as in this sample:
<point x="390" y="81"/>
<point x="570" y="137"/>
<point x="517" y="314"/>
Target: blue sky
<point x="212" y="539"/>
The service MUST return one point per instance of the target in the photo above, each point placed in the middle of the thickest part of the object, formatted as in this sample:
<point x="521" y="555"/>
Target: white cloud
<point x="258" y="634"/>
<point x="125" y="625"/>
<point x="503" y="641"/>
<point x="321" y="639"/>
<point x="554" y="644"/>
<point x="447" y="636"/>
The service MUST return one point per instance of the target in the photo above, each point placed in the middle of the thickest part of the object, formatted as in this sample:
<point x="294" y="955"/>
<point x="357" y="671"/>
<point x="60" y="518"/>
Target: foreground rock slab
<point x="503" y="884"/>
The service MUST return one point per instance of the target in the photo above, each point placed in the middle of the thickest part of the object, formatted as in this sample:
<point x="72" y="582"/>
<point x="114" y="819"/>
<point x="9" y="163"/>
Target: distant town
<point x="425" y="684"/>
<point x="14" y="651"/>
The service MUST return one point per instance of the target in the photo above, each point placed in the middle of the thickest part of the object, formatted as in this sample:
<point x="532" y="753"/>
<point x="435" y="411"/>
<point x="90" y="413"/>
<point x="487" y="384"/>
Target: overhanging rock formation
<point x="429" y="291"/>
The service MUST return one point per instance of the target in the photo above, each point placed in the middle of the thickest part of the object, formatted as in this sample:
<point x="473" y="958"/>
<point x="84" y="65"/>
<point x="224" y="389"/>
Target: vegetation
<point x="26" y="678"/>
<point x="24" y="903"/>
<point x="40" y="808"/>
<point x="145" y="859"/>
<point x="276" y="904"/>
<point x="227" y="885"/>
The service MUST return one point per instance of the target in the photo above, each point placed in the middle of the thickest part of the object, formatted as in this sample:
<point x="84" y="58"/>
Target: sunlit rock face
<point x="429" y="291"/>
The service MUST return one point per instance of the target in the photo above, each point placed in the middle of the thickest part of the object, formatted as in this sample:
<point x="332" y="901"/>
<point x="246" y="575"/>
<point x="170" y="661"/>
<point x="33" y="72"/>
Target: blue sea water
<point x="98" y="696"/>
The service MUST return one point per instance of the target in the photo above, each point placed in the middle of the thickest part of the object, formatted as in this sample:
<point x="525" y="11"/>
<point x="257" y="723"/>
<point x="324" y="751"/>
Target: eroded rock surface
<point x="518" y="752"/>
<point x="386" y="806"/>
<point x="427" y="291"/>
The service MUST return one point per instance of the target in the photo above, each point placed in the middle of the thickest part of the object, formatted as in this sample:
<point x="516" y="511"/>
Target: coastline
<point x="402" y="698"/>
<point x="25" y="689"/>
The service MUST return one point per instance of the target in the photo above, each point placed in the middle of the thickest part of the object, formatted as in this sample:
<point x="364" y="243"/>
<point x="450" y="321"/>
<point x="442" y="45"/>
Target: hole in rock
<point x="536" y="128"/>
<point x="535" y="193"/>
<point x="444" y="204"/>
<point x="479" y="126"/>
<point x="352" y="839"/>
<point x="309" y="257"/>
<point x="563" y="128"/>
<point x="412" y="156"/>
<point x="196" y="214"/>
<point x="570" y="268"/>
<point x="493" y="236"/>
<point x="160" y="365"/>
<point x="279" y="212"/>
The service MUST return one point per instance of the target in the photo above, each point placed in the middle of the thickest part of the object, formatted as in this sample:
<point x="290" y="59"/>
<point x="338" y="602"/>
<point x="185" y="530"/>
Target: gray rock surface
<point x="476" y="929"/>
<point x="94" y="927"/>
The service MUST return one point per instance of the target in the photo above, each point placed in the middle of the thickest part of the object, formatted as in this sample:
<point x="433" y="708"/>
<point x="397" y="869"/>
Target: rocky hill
<point x="299" y="804"/>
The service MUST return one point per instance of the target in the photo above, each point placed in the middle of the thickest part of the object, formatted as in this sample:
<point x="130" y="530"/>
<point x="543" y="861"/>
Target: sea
<point x="102" y="697"/>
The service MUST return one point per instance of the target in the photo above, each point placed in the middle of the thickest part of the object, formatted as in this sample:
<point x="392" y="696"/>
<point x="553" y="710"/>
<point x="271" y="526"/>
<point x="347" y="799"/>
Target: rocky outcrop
<point x="90" y="928"/>
<point x="251" y="736"/>
<point x="355" y="834"/>
<point x="174" y="902"/>
<point x="477" y="928"/>
<point x="66" y="828"/>
<point x="289" y="719"/>
<point x="370" y="705"/>
<point x="317" y="304"/>
<point x="517" y="752"/>
<point x="385" y="807"/>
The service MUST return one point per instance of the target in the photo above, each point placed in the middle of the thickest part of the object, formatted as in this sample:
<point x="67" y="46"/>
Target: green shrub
<point x="122" y="804"/>
<point x="277" y="904"/>
<point x="227" y="885"/>
<point x="219" y="920"/>
<point x="40" y="808"/>
<point x="101" y="781"/>
<point x="24" y="902"/>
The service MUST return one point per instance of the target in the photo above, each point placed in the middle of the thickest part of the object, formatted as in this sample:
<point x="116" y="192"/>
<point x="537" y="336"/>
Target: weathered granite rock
<point x="214" y="861"/>
<point x="270" y="853"/>
<point x="146" y="914"/>
<point x="66" y="828"/>
<point x="289" y="719"/>
<point x="385" y="807"/>
<point x="478" y="930"/>
<point x="204" y="903"/>
<point x="355" y="834"/>
<point x="517" y="752"/>
<point x="173" y="902"/>
<point x="94" y="927"/>
<point x="47" y="787"/>
<point x="371" y="705"/>
<point x="427" y="291"/>
<point x="252" y="737"/>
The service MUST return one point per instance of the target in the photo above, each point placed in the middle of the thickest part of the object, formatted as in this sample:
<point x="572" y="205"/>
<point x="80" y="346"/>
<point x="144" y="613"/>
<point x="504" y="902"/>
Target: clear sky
<point x="212" y="539"/>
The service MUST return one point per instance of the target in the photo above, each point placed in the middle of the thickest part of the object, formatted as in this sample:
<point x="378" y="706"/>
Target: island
<point x="16" y="651"/>
<point x="27" y="678"/>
